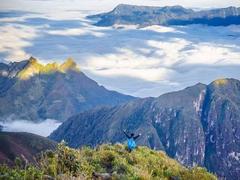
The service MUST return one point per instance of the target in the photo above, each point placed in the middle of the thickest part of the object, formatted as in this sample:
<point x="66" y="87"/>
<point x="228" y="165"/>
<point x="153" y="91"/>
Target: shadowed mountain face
<point x="198" y="125"/>
<point x="169" y="15"/>
<point x="32" y="91"/>
<point x="22" y="145"/>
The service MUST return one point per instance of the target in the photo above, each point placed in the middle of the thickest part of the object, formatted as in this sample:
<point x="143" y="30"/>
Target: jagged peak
<point x="220" y="82"/>
<point x="32" y="60"/>
<point x="69" y="61"/>
<point x="35" y="67"/>
<point x="226" y="82"/>
<point x="69" y="64"/>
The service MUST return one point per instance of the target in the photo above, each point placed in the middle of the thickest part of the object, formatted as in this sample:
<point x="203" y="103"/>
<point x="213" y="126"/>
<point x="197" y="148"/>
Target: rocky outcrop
<point x="199" y="125"/>
<point x="30" y="90"/>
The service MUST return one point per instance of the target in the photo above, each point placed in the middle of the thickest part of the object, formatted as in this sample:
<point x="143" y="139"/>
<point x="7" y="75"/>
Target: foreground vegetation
<point x="104" y="162"/>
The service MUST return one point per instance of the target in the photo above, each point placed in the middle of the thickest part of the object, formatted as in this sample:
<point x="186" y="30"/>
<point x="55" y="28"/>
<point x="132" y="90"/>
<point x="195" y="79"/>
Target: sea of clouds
<point x="142" y="62"/>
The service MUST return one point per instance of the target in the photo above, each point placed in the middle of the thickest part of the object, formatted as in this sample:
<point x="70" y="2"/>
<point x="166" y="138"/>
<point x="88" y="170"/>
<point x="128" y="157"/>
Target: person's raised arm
<point x="124" y="131"/>
<point x="137" y="136"/>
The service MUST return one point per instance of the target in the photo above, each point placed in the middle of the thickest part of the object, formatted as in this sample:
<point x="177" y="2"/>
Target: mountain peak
<point x="220" y="82"/>
<point x="35" y="67"/>
<point x="69" y="64"/>
<point x="32" y="60"/>
<point x="45" y="89"/>
<point x="122" y="5"/>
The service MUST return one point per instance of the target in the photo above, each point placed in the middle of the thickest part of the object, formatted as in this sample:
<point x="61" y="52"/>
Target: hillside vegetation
<point x="104" y="162"/>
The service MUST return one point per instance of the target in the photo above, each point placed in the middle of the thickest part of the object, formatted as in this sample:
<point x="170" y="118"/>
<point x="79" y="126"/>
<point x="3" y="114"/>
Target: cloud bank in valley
<point x="43" y="128"/>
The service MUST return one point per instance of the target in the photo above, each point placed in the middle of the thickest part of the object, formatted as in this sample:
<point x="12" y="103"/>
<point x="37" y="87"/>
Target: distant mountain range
<point x="30" y="90"/>
<point x="199" y="125"/>
<point x="25" y="146"/>
<point x="125" y="14"/>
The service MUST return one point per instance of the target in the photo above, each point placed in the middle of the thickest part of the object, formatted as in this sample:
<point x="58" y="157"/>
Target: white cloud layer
<point x="43" y="128"/>
<point x="14" y="38"/>
<point x="75" y="32"/>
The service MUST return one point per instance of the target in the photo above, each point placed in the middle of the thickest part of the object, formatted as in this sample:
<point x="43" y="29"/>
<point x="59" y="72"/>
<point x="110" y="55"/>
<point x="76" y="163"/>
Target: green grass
<point x="142" y="163"/>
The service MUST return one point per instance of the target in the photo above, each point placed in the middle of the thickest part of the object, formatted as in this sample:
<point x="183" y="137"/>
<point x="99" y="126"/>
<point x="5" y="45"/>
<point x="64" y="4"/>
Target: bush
<point x="108" y="160"/>
<point x="29" y="173"/>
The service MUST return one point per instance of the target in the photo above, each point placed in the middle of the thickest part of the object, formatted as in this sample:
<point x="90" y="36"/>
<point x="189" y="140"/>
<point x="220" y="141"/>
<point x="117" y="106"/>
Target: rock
<point x="102" y="176"/>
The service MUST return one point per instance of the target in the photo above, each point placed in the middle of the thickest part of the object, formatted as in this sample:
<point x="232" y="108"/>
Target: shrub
<point x="115" y="160"/>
